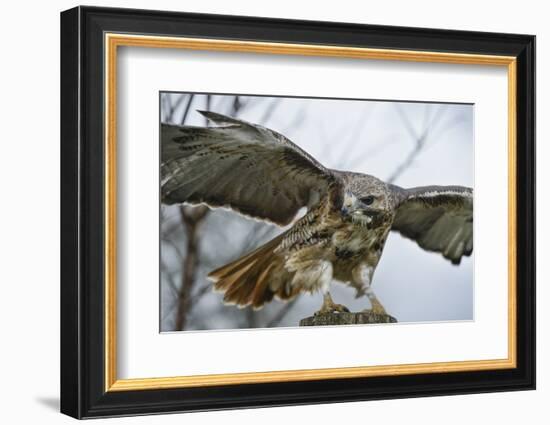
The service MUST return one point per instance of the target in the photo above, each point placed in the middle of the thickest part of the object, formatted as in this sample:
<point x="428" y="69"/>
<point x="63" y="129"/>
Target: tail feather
<point x="229" y="269"/>
<point x="258" y="293"/>
<point x="255" y="278"/>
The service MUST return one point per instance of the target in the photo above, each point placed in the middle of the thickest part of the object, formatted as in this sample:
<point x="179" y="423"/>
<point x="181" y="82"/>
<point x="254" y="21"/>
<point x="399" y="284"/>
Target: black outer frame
<point x="82" y="219"/>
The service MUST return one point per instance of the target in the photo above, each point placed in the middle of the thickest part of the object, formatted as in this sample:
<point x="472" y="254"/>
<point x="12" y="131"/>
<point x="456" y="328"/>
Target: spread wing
<point x="243" y="166"/>
<point x="438" y="218"/>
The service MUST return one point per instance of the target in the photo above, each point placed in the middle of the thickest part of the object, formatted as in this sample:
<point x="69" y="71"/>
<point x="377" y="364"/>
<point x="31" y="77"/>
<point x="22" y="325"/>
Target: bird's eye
<point x="368" y="200"/>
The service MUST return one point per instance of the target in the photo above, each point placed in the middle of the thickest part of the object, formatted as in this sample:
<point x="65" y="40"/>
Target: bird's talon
<point x="342" y="308"/>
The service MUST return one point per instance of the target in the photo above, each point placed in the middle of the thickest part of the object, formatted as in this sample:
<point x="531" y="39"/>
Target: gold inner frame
<point x="113" y="41"/>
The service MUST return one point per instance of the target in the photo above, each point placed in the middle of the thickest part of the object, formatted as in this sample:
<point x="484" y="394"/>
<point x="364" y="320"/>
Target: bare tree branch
<point x="186" y="110"/>
<point x="354" y="137"/>
<point x="419" y="139"/>
<point x="174" y="246"/>
<point x="200" y="293"/>
<point x="269" y="111"/>
<point x="191" y="218"/>
<point x="208" y="101"/>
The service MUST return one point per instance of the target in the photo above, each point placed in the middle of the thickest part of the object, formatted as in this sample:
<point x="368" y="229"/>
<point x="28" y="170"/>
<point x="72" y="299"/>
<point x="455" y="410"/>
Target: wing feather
<point x="243" y="166"/>
<point x="438" y="218"/>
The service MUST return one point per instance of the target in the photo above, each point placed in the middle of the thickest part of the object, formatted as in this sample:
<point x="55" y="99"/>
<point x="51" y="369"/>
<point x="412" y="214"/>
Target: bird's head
<point x="367" y="201"/>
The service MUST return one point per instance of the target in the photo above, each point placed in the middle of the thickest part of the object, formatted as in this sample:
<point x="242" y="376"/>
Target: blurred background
<point x="408" y="144"/>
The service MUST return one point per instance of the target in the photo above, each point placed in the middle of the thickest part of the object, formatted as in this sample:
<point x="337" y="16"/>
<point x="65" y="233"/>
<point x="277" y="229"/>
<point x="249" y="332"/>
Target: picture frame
<point x="90" y="41"/>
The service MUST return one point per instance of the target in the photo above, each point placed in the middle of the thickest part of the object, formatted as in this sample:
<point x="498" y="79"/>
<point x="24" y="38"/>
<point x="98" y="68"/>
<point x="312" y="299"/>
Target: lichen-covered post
<point x="332" y="319"/>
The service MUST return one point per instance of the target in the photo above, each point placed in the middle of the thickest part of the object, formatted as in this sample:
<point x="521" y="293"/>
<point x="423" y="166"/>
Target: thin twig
<point x="420" y="140"/>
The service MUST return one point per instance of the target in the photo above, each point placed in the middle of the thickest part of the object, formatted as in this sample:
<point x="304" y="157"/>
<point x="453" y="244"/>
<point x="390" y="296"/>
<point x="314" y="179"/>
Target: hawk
<point x="261" y="174"/>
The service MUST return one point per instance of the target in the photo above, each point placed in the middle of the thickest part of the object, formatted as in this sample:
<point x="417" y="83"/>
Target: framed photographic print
<point x="261" y="212"/>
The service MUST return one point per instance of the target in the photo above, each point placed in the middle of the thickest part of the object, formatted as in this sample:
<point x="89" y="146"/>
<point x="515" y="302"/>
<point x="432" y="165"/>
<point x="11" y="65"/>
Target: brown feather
<point x="227" y="281"/>
<point x="250" y="258"/>
<point x="257" y="297"/>
<point x="249" y="279"/>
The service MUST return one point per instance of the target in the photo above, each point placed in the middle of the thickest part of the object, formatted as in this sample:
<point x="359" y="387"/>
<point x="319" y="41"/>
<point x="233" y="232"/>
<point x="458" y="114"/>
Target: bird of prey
<point x="259" y="173"/>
